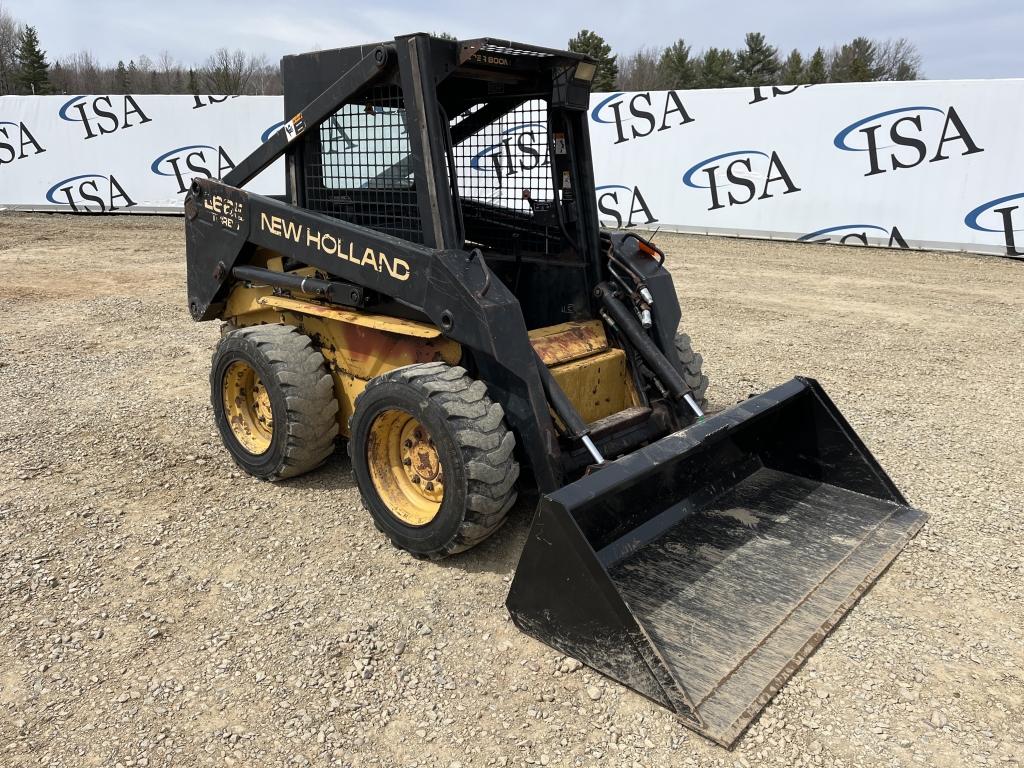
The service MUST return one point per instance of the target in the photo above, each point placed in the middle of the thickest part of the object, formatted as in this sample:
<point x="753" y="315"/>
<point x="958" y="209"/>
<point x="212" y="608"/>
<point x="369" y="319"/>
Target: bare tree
<point x="228" y="72"/>
<point x="225" y="72"/>
<point x="898" y="60"/>
<point x="263" y="75"/>
<point x="10" y="35"/>
<point x="80" y="73"/>
<point x="640" y="71"/>
<point x="168" y="73"/>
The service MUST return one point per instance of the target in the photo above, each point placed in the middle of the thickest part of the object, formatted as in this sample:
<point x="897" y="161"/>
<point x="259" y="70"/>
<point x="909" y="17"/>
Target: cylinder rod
<point x="626" y="322"/>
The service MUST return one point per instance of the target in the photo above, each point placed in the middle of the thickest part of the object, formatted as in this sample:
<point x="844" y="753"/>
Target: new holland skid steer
<point x="435" y="288"/>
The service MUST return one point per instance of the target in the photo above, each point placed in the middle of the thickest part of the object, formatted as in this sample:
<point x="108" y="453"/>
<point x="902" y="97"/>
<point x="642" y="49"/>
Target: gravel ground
<point x="159" y="608"/>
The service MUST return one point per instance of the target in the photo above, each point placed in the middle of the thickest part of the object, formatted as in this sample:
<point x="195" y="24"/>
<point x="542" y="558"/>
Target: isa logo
<point x="90" y="193"/>
<point x="520" y="148"/>
<point x="1002" y="215"/>
<point x="336" y="140"/>
<point x="185" y="163"/>
<point x="17" y="142"/>
<point x="856" y="234"/>
<point x="642" y="114"/>
<point x="905" y="137"/>
<point x="102" y="115"/>
<point x="740" y="177"/>
<point x="624" y="205"/>
<point x="271" y="130"/>
<point x="209" y="101"/>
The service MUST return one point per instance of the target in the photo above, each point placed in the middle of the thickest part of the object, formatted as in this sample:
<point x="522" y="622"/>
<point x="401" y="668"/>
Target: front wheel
<point x="432" y="457"/>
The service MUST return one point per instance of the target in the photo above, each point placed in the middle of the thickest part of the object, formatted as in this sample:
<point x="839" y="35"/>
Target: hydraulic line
<point x="627" y="323"/>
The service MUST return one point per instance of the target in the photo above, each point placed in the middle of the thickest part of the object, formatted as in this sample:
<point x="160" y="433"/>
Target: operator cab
<point x="506" y="157"/>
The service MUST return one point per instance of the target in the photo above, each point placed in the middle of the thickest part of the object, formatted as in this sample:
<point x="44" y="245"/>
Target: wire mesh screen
<point x="505" y="181"/>
<point x="358" y="166"/>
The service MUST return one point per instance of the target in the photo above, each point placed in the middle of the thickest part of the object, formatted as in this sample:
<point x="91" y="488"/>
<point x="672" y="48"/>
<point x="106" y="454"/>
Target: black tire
<point x="304" y="411"/>
<point x="693" y="374"/>
<point x="473" y="446"/>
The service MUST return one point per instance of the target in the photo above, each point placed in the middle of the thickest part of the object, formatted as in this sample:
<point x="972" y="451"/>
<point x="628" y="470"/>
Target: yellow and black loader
<point x="435" y="288"/>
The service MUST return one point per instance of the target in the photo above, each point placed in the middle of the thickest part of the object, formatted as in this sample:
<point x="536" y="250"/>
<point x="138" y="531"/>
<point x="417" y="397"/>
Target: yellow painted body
<point x="359" y="346"/>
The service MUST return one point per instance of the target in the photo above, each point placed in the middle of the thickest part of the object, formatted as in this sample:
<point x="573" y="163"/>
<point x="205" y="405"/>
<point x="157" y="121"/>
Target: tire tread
<point x="486" y="444"/>
<point x="311" y="407"/>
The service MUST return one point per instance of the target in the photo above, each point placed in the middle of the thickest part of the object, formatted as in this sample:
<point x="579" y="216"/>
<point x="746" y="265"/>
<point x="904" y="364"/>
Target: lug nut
<point x="407" y="443"/>
<point x="407" y="462"/>
<point x="416" y="479"/>
<point x="430" y="486"/>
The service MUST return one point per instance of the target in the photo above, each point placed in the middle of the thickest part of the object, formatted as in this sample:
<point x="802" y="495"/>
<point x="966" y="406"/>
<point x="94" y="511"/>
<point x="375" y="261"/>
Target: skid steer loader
<point x="435" y="288"/>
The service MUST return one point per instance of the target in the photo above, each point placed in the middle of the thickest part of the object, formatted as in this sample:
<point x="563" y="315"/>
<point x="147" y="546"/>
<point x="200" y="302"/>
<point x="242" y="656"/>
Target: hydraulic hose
<point x="630" y="327"/>
<point x="566" y="411"/>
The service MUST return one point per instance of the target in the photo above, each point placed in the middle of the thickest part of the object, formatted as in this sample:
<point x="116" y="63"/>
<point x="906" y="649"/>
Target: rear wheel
<point x="693" y="374"/>
<point x="273" y="400"/>
<point x="433" y="459"/>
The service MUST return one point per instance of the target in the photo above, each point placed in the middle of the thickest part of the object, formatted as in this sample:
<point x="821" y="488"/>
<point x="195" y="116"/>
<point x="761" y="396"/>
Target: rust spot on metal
<point x="568" y="341"/>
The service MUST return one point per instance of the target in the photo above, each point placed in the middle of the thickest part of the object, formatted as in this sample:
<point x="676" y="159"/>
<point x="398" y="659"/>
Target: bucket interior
<point x="737" y="594"/>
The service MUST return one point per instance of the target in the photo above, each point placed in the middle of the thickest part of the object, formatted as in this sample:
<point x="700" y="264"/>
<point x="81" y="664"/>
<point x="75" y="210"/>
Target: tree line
<point x="756" y="63"/>
<point x="24" y="68"/>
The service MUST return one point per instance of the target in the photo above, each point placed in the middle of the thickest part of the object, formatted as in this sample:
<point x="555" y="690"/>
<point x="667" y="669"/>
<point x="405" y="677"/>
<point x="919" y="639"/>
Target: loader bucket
<point x="703" y="569"/>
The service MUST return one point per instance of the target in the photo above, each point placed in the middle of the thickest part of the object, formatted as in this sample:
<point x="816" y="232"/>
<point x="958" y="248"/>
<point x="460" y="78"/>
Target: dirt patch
<point x="160" y="608"/>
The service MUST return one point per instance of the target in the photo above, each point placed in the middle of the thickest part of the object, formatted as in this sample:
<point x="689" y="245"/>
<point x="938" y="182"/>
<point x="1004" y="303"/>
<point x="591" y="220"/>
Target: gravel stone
<point x="121" y="514"/>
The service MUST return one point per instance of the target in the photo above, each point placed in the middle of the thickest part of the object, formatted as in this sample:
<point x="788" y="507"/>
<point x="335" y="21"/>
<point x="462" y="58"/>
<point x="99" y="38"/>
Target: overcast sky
<point x="957" y="38"/>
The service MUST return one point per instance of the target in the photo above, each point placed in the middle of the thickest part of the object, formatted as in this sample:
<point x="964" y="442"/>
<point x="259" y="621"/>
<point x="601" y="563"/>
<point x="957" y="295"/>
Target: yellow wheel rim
<point x="247" y="407"/>
<point x="405" y="467"/>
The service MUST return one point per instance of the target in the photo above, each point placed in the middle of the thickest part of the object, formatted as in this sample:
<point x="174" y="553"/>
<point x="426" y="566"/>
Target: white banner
<point x="921" y="164"/>
<point x="112" y="153"/>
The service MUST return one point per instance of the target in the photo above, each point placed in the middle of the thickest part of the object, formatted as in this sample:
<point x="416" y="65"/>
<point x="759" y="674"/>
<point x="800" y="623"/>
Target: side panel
<point x="354" y="353"/>
<point x="456" y="291"/>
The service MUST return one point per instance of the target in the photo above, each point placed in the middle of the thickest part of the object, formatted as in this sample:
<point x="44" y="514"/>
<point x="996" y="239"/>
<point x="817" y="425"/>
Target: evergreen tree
<point x="676" y="68"/>
<point x="57" y="77"/>
<point x="121" y="84"/>
<point x="793" y="70"/>
<point x="133" y="77"/>
<point x="758" y="63"/>
<point x="718" y="69"/>
<point x="594" y="46"/>
<point x="855" y="62"/>
<point x="193" y="83"/>
<point x="907" y="70"/>
<point x="816" y="70"/>
<point x="33" y="70"/>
